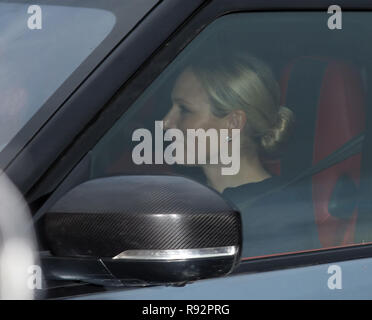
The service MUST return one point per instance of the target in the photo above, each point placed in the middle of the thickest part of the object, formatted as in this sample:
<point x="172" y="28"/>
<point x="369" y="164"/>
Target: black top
<point x="276" y="222"/>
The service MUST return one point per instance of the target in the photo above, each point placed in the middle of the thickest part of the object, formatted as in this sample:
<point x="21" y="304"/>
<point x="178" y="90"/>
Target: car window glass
<point x="35" y="62"/>
<point x="295" y="92"/>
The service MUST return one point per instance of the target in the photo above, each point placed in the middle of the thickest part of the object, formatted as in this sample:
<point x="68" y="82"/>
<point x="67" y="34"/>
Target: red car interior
<point x="339" y="105"/>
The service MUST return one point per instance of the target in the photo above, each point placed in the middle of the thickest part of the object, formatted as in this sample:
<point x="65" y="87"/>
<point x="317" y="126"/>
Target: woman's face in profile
<point x="191" y="108"/>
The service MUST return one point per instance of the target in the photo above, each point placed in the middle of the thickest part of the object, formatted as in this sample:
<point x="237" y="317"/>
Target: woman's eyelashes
<point x="184" y="109"/>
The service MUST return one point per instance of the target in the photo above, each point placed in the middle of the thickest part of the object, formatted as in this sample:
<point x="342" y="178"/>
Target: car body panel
<point x="309" y="282"/>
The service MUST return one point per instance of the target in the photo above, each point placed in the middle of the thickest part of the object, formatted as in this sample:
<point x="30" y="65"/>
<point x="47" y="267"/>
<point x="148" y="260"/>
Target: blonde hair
<point x="243" y="82"/>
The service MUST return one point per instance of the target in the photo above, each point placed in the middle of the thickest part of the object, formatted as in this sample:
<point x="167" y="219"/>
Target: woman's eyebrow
<point x="180" y="100"/>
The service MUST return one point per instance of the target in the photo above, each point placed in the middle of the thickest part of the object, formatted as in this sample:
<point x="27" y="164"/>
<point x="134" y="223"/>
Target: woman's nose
<point x="169" y="120"/>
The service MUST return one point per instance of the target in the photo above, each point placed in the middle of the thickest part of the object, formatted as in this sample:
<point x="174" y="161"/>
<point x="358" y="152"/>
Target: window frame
<point x="133" y="87"/>
<point x="119" y="66"/>
<point x="57" y="98"/>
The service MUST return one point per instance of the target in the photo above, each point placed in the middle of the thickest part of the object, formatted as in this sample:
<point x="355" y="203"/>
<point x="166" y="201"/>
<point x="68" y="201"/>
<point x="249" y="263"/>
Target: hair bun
<point x="276" y="137"/>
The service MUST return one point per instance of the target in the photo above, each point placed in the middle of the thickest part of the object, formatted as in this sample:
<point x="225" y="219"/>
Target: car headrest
<point x="327" y="98"/>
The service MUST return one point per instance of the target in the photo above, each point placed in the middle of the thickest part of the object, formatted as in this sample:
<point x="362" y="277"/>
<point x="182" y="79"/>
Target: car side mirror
<point x="141" y="230"/>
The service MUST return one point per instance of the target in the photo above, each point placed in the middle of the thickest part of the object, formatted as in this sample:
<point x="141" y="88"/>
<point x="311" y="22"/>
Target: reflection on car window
<point x="35" y="62"/>
<point x="266" y="106"/>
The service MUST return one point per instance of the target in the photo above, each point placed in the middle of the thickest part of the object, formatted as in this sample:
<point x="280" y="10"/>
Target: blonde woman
<point x="240" y="92"/>
<point x="236" y="93"/>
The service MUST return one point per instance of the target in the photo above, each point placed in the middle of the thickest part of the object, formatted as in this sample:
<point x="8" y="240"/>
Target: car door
<point x="311" y="61"/>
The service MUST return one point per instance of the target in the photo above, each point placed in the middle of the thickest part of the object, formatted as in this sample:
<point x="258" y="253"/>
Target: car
<point x="78" y="79"/>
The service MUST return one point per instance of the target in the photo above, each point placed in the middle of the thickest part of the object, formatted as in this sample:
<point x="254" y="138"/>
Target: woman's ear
<point x="236" y="119"/>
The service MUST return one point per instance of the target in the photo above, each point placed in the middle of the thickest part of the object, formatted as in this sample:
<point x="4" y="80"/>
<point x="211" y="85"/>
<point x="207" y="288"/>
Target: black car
<point x="78" y="78"/>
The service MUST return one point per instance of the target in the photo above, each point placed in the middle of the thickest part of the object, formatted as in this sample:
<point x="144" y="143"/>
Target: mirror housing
<point x="142" y="230"/>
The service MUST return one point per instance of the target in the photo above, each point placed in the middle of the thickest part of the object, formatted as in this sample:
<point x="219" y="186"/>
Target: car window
<point x="35" y="62"/>
<point x="267" y="109"/>
<point x="43" y="45"/>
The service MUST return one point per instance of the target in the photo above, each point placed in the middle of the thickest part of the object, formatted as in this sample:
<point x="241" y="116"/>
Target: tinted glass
<point x="35" y="62"/>
<point x="296" y="89"/>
